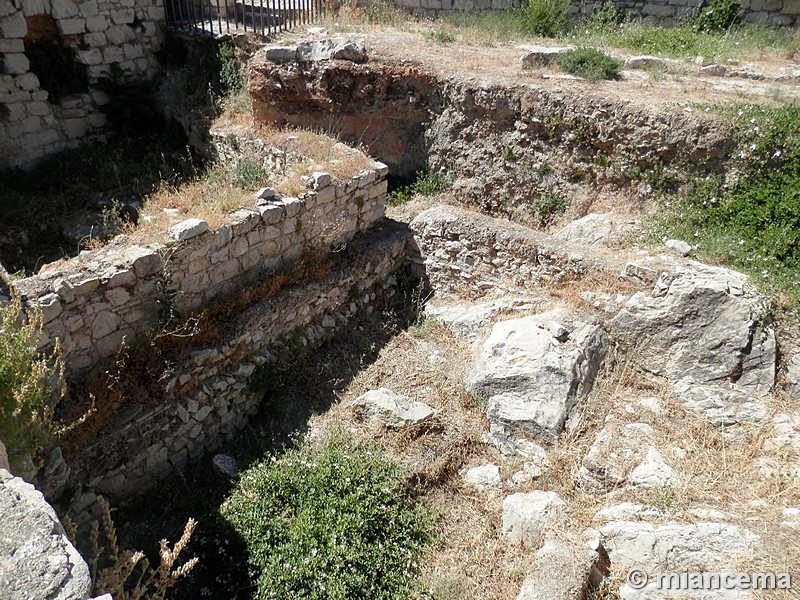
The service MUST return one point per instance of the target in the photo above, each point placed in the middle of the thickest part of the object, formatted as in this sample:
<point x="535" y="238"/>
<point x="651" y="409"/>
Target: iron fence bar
<point x="180" y="11"/>
<point x="219" y="19"/>
<point x="261" y="15"/>
<point x="202" y="17"/>
<point x="227" y="17"/>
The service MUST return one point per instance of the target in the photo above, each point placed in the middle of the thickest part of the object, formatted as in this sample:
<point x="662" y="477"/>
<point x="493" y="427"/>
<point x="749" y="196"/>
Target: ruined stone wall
<point x="658" y="12"/>
<point x="211" y="394"/>
<point x="105" y="298"/>
<point x="669" y="12"/>
<point x="51" y="54"/>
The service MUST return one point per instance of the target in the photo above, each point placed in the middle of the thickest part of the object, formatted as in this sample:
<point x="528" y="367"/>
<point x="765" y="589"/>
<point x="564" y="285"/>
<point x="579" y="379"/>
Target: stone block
<point x="91" y="57"/>
<point x="120" y="34"/>
<point x="791" y="7"/>
<point x="30" y="125"/>
<point x="658" y="10"/>
<point x="28" y="82"/>
<point x="38" y="109"/>
<point x="63" y="9"/>
<point x="89" y="8"/>
<point x="113" y="54"/>
<point x="145" y="261"/>
<point x="123" y="16"/>
<point x="132" y="51"/>
<point x="96" y="24"/>
<point x="72" y="26"/>
<point x="16" y="64"/>
<point x="13" y="26"/>
<point x="188" y="229"/>
<point x="105" y="322"/>
<point x="12" y="45"/>
<point x="272" y="213"/>
<point x="293" y="207"/>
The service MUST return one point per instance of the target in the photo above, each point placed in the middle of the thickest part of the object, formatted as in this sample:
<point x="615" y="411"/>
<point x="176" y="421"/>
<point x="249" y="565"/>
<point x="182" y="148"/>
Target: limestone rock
<point x="592" y="230"/>
<point x="468" y="321"/>
<point x="622" y="454"/>
<point x="644" y="61"/>
<point x="563" y="571"/>
<point x="36" y="558"/>
<point x="722" y="404"/>
<point x="385" y="406"/>
<point x="483" y="477"/>
<point x="540" y="56"/>
<point x="701" y="322"/>
<point x="529" y="379"/>
<point x="528" y="516"/>
<point x="225" y="465"/>
<point x="674" y="546"/>
<point x="188" y="229"/>
<point x="314" y="50"/>
<point x="352" y="51"/>
<point x="280" y="54"/>
<point x="679" y="246"/>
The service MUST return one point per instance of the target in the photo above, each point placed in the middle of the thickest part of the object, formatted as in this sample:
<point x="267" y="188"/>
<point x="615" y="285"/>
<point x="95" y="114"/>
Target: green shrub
<point x="546" y="18"/>
<point x="548" y="206"/>
<point x="30" y="385"/>
<point x="754" y="223"/>
<point x="589" y="63"/>
<point x="441" y="36"/>
<point x="248" y="174"/>
<point x="427" y="183"/>
<point x="328" y="523"/>
<point x="229" y="72"/>
<point x="716" y="16"/>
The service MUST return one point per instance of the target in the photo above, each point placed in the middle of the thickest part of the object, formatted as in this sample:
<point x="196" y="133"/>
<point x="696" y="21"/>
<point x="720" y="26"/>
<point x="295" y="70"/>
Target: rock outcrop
<point x="532" y="371"/>
<point x="37" y="561"/>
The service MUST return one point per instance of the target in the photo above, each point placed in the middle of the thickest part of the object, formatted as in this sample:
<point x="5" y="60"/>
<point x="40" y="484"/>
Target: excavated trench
<point x="501" y="148"/>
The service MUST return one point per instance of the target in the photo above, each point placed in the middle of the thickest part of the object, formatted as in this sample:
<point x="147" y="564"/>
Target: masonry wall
<point x="99" y="301"/>
<point x="51" y="54"/>
<point x="658" y="12"/>
<point x="211" y="394"/>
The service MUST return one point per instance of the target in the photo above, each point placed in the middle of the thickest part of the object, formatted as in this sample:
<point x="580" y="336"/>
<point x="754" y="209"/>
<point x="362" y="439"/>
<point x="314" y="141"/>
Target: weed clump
<point x="330" y="522"/>
<point x="427" y="183"/>
<point x="546" y="18"/>
<point x="30" y="385"/>
<point x="589" y="63"/>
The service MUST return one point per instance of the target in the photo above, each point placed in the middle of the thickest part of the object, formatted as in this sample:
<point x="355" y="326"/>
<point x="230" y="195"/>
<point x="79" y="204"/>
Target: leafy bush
<point x="547" y="207"/>
<point x="716" y="16"/>
<point x="606" y="14"/>
<point x="30" y="385"/>
<point x="328" y="523"/>
<point x="547" y="18"/>
<point x="132" y="107"/>
<point x="229" y="72"/>
<point x="248" y="174"/>
<point x="589" y="63"/>
<point x="427" y="183"/>
<point x="754" y="223"/>
<point x="441" y="36"/>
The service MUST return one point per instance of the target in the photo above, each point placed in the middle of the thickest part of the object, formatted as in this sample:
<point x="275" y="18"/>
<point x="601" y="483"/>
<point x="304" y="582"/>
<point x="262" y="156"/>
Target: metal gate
<point x="221" y="17"/>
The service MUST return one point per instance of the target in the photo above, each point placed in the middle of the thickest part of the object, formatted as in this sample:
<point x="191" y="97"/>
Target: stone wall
<point x="102" y="299"/>
<point x="210" y="395"/>
<point x="658" y="12"/>
<point x="51" y="54"/>
<point x="669" y="12"/>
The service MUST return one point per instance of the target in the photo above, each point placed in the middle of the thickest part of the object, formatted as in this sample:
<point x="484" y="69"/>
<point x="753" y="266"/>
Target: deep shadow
<point x="311" y="388"/>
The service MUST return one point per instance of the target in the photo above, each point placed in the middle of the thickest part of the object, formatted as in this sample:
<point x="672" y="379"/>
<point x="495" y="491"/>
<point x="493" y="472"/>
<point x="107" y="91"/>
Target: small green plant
<point x="229" y="73"/>
<point x="606" y="14"/>
<point x="589" y="63"/>
<point x="248" y="174"/>
<point x="328" y="523"/>
<point x="427" y="183"/>
<point x="716" y="16"/>
<point x="441" y="36"/>
<point x="546" y="18"/>
<point x="286" y="355"/>
<point x="31" y="385"/>
<point x="548" y="206"/>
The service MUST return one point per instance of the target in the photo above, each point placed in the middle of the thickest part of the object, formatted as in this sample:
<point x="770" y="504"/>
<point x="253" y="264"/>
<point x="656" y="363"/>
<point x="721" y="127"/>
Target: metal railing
<point x="224" y="17"/>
